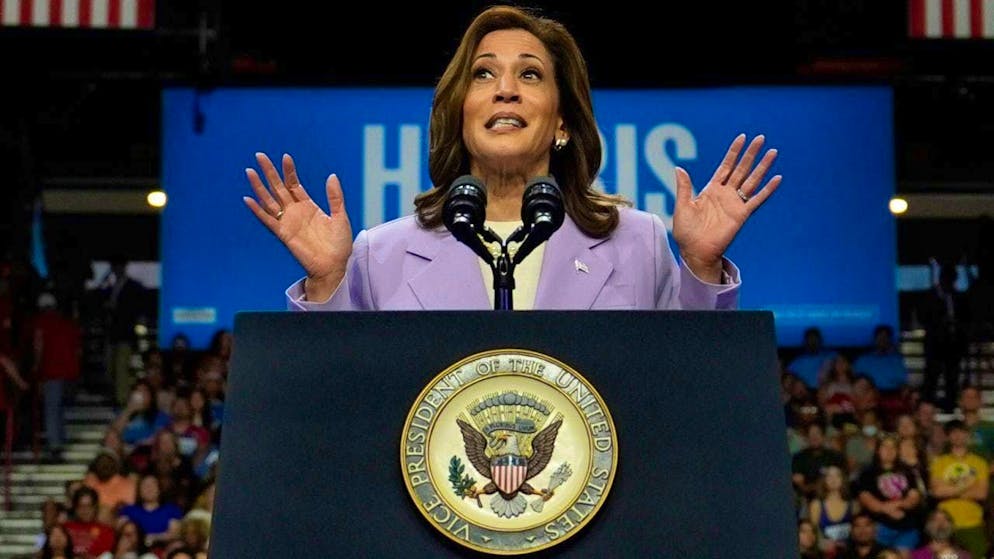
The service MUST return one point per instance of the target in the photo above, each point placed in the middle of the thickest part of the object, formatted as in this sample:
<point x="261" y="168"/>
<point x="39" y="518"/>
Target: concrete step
<point x="13" y="551"/>
<point x="100" y="414"/>
<point x="20" y="514"/>
<point x="20" y="525"/>
<point x="28" y="502"/>
<point x="75" y="469"/>
<point x="20" y="539"/>
<point x="69" y="456"/>
<point x="42" y="478"/>
<point x="50" y="490"/>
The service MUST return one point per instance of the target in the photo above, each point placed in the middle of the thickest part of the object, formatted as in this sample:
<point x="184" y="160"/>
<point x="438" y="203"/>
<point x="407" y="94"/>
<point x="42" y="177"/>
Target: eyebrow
<point x="522" y="55"/>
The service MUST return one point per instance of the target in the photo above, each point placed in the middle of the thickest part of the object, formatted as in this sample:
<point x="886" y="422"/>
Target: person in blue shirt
<point x="813" y="363"/>
<point x="884" y="365"/>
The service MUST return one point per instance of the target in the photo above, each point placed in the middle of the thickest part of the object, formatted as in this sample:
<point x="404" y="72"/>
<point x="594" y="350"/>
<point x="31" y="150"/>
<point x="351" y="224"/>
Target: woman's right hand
<point x="321" y="243"/>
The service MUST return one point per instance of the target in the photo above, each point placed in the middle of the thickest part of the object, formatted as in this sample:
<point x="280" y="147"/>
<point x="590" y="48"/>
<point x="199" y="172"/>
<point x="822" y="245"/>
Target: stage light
<point x="898" y="206"/>
<point x="156" y="199"/>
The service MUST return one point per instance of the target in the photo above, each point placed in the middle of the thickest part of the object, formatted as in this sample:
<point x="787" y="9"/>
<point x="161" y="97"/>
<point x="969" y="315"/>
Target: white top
<point x="525" y="274"/>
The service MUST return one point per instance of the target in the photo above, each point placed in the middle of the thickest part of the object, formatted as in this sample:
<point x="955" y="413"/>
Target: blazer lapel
<point x="452" y="280"/>
<point x="572" y="274"/>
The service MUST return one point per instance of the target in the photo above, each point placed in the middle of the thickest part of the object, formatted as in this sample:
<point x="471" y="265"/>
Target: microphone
<point x="464" y="212"/>
<point x="542" y="212"/>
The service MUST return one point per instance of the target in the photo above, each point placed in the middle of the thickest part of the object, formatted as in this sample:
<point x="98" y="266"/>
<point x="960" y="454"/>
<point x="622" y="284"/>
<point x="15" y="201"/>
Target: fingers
<point x="263" y="216"/>
<point x="756" y="201"/>
<point x="684" y="188"/>
<point x="745" y="164"/>
<point x="757" y="175"/>
<point x="336" y="200"/>
<point x="292" y="181"/>
<point x="268" y="202"/>
<point x="727" y="164"/>
<point x="273" y="178"/>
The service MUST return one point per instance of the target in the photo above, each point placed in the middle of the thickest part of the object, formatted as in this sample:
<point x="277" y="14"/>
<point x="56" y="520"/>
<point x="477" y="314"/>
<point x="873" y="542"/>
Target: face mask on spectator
<point x="870" y="430"/>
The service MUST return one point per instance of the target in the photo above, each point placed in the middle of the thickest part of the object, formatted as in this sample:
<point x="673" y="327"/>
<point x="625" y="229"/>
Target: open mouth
<point x="505" y="121"/>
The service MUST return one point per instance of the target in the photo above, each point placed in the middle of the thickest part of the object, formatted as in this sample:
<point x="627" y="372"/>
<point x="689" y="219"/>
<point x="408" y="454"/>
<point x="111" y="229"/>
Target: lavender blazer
<point x="400" y="266"/>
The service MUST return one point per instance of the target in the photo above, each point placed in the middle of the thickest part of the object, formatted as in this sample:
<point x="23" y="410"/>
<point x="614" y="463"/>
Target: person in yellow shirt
<point x="959" y="481"/>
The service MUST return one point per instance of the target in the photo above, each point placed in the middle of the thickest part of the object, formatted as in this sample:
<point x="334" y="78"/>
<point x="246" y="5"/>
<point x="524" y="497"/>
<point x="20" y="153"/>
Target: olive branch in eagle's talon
<point x="462" y="484"/>
<point x="559" y="477"/>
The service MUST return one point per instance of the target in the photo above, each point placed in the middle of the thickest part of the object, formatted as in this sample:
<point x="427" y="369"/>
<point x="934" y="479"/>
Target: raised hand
<point x="321" y="243"/>
<point x="704" y="226"/>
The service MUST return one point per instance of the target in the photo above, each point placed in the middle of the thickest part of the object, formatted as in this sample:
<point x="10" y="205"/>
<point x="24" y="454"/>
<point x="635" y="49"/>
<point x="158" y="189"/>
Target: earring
<point x="560" y="144"/>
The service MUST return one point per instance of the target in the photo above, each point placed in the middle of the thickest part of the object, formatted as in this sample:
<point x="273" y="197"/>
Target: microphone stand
<point x="502" y="263"/>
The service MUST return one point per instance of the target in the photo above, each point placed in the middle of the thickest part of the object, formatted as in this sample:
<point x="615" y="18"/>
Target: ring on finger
<point x="742" y="195"/>
<point x="279" y="214"/>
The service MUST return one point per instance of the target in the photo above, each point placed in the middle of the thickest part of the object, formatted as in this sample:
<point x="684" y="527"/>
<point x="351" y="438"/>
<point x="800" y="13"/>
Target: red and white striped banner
<point x="90" y="14"/>
<point x="951" y="19"/>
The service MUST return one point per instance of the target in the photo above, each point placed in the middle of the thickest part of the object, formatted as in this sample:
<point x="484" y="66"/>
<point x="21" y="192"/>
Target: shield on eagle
<point x="509" y="472"/>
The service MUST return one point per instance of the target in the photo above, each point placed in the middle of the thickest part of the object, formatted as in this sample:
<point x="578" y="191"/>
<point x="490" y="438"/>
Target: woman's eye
<point x="531" y="74"/>
<point x="482" y="73"/>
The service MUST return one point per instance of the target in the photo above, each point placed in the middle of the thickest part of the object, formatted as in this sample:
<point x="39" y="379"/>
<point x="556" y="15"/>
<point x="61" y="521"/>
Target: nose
<point x="507" y="89"/>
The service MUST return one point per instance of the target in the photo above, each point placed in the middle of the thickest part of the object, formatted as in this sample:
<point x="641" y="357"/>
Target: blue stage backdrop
<point x="821" y="252"/>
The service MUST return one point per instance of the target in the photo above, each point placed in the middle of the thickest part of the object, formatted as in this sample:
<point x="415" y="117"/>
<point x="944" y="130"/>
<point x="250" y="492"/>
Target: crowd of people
<point x="149" y="492"/>
<point x="881" y="468"/>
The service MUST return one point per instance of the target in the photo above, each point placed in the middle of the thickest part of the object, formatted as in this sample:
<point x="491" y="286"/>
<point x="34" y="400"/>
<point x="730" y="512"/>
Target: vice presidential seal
<point x="509" y="452"/>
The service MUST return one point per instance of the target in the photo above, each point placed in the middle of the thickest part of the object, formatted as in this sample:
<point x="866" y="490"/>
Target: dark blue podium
<point x="317" y="401"/>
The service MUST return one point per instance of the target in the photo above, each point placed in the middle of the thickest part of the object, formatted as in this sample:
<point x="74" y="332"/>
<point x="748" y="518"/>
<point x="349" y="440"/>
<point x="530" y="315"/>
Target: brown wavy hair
<point x="574" y="167"/>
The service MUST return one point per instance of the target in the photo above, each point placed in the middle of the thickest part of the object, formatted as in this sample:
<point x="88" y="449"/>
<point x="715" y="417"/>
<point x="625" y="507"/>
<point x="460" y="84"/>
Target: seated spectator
<point x="130" y="543"/>
<point x="938" y="531"/>
<point x="885" y="364"/>
<point x="154" y="373"/>
<point x="178" y="362"/>
<point x="50" y="516"/>
<point x="906" y="428"/>
<point x="931" y="433"/>
<point x="832" y="511"/>
<point x="913" y="456"/>
<point x="141" y="418"/>
<point x="184" y="553"/>
<point x="194" y="533"/>
<point x="113" y="489"/>
<point x="861" y="447"/>
<point x="173" y="470"/>
<point x="809" y="464"/>
<point x="201" y="413"/>
<point x="865" y="396"/>
<point x="959" y="482"/>
<point x="813" y="363"/>
<point x="90" y="537"/>
<point x="835" y="395"/>
<point x="194" y="441"/>
<point x="887" y="491"/>
<point x="981" y="430"/>
<point x="807" y="540"/>
<point x="58" y="544"/>
<point x="863" y="542"/>
<point x="159" y="520"/>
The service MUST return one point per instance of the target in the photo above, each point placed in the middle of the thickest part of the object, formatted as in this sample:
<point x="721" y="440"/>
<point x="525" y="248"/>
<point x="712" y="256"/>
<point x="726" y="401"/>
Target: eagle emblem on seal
<point x="507" y="442"/>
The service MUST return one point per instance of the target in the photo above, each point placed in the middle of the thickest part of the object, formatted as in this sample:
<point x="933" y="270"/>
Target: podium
<point x="316" y="406"/>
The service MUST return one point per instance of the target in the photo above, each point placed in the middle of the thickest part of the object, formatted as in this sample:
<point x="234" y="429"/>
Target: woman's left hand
<point x="704" y="226"/>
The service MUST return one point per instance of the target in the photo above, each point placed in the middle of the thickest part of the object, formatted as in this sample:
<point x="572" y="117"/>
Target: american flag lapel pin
<point x="580" y="266"/>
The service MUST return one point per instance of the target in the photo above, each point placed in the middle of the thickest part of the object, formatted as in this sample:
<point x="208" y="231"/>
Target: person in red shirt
<point x="90" y="538"/>
<point x="57" y="349"/>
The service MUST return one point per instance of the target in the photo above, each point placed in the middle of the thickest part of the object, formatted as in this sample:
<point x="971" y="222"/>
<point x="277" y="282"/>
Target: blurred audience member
<point x="809" y="464"/>
<point x="58" y="544"/>
<point x="863" y="543"/>
<point x="194" y="441"/>
<point x="89" y="536"/>
<point x="887" y="491"/>
<point x="943" y="313"/>
<point x="155" y="374"/>
<point x="221" y="347"/>
<point x="130" y="543"/>
<point x="865" y="395"/>
<point x="981" y="430"/>
<point x="938" y="531"/>
<point x="913" y="456"/>
<point x="159" y="520"/>
<point x="835" y="395"/>
<point x="807" y="540"/>
<point x="959" y="482"/>
<point x="179" y="361"/>
<point x="141" y="419"/>
<point x="123" y="306"/>
<point x="814" y="361"/>
<point x="172" y="469"/>
<point x="832" y="511"/>
<point x="57" y="345"/>
<point x="114" y="490"/>
<point x="885" y="364"/>
<point x="861" y="447"/>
